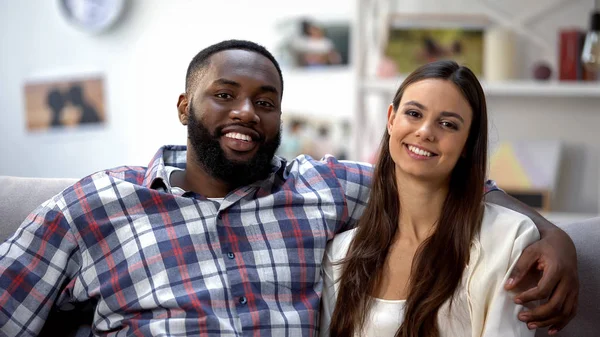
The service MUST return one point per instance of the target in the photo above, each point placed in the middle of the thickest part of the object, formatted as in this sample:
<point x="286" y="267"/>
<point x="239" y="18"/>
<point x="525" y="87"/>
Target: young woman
<point x="428" y="257"/>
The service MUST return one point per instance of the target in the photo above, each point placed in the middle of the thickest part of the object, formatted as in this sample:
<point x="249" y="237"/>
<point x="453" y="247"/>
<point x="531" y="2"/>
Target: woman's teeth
<point x="420" y="152"/>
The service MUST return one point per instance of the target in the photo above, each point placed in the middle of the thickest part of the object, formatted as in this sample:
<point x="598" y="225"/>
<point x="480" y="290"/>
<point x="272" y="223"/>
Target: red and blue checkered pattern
<point x="163" y="264"/>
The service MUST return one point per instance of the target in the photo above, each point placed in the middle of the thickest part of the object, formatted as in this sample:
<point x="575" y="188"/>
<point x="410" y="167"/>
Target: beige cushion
<point x="20" y="196"/>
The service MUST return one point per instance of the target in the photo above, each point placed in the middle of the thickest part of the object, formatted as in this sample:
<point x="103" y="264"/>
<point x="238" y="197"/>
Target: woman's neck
<point x="421" y="204"/>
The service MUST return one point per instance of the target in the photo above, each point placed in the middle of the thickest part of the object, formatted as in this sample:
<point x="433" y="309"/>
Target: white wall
<point x="143" y="60"/>
<point x="145" y="57"/>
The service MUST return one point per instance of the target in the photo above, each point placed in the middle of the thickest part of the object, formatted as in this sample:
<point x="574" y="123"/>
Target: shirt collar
<point x="176" y="155"/>
<point x="168" y="155"/>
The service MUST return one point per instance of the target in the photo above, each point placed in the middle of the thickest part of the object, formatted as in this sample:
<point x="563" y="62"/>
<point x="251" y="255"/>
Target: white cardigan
<point x="503" y="236"/>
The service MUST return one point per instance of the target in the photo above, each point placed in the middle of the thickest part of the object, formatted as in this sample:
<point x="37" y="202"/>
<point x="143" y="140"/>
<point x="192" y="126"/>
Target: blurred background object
<point x="56" y="103"/>
<point x="542" y="71"/>
<point x="414" y="40"/>
<point x="142" y="56"/>
<point x="314" y="136"/>
<point x="94" y="16"/>
<point x="527" y="170"/>
<point x="499" y="54"/>
<point x="309" y="43"/>
<point x="591" y="48"/>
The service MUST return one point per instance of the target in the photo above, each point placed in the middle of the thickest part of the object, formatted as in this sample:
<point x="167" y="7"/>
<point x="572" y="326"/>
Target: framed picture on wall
<point x="60" y="103"/>
<point x="311" y="43"/>
<point x="414" y="40"/>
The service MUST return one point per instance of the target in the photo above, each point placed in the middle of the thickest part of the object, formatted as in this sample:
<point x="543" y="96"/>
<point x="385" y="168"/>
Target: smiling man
<point x="225" y="239"/>
<point x="232" y="107"/>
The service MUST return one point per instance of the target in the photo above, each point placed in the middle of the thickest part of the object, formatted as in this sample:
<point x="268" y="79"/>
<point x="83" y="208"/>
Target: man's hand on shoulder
<point x="554" y="255"/>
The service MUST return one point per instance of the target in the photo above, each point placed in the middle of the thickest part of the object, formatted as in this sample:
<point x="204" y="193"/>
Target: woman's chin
<point x="427" y="176"/>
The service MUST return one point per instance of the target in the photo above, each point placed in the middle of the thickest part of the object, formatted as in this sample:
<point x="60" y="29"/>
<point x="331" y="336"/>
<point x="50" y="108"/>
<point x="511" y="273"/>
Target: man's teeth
<point x="240" y="136"/>
<point x="420" y="152"/>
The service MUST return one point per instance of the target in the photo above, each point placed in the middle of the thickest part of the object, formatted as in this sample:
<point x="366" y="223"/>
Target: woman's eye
<point x="223" y="95"/>
<point x="413" y="113"/>
<point x="449" y="125"/>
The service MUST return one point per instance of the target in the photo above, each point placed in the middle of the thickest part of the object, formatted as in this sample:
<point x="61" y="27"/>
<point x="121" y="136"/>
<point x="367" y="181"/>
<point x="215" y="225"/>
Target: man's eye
<point x="223" y="95"/>
<point x="265" y="104"/>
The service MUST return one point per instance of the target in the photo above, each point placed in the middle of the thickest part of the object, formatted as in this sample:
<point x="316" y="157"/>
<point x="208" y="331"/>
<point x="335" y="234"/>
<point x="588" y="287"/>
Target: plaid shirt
<point x="163" y="264"/>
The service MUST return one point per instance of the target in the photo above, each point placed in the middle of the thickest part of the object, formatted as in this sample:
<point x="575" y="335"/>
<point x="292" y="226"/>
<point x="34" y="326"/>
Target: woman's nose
<point x="425" y="131"/>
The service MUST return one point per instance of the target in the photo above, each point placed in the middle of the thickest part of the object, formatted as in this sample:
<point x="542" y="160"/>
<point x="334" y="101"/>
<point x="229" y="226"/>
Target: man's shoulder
<point x="100" y="180"/>
<point x="131" y="174"/>
<point x="343" y="169"/>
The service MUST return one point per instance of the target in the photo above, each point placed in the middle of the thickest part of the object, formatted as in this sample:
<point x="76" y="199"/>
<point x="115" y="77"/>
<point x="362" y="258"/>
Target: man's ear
<point x="390" y="118"/>
<point x="182" y="109"/>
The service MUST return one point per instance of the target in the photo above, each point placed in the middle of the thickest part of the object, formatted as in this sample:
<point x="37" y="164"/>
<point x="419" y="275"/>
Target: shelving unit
<point x="542" y="89"/>
<point x="373" y="95"/>
<point x="509" y="88"/>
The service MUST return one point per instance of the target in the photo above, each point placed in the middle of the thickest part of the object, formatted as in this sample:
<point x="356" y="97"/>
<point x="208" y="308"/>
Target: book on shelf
<point x="569" y="56"/>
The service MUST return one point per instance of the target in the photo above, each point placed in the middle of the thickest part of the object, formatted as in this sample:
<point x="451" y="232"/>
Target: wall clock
<point x="94" y="16"/>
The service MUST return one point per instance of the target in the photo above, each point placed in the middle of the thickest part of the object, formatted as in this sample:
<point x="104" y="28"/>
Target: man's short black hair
<point x="202" y="59"/>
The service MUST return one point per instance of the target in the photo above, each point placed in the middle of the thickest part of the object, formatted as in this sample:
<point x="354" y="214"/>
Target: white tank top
<point x="385" y="318"/>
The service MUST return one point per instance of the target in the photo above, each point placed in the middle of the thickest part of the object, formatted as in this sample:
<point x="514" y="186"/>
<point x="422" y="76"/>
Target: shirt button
<point x="219" y="216"/>
<point x="243" y="300"/>
<point x="230" y="255"/>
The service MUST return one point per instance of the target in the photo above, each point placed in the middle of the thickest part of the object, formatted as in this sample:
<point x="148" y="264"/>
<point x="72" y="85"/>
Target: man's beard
<point x="212" y="158"/>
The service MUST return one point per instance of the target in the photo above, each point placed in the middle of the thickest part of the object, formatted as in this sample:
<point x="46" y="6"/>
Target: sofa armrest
<point x="20" y="196"/>
<point x="585" y="234"/>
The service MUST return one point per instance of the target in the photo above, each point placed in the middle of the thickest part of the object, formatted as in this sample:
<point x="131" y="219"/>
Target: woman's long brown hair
<point x="440" y="260"/>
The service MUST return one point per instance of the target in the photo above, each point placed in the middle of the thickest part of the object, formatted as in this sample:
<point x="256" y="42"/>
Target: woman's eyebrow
<point x="417" y="104"/>
<point x="452" y="114"/>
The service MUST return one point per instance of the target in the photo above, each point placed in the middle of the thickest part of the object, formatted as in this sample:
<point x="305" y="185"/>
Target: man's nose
<point x="245" y="112"/>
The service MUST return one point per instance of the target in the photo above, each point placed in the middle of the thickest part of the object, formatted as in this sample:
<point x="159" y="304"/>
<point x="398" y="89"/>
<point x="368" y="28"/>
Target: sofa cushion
<point x="585" y="235"/>
<point x="20" y="196"/>
<point x="17" y="200"/>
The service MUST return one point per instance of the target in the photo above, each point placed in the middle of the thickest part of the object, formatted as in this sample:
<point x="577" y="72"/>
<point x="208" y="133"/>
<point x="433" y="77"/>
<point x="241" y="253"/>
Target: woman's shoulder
<point x="338" y="247"/>
<point x="501" y="224"/>
<point x="499" y="215"/>
<point x="503" y="236"/>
